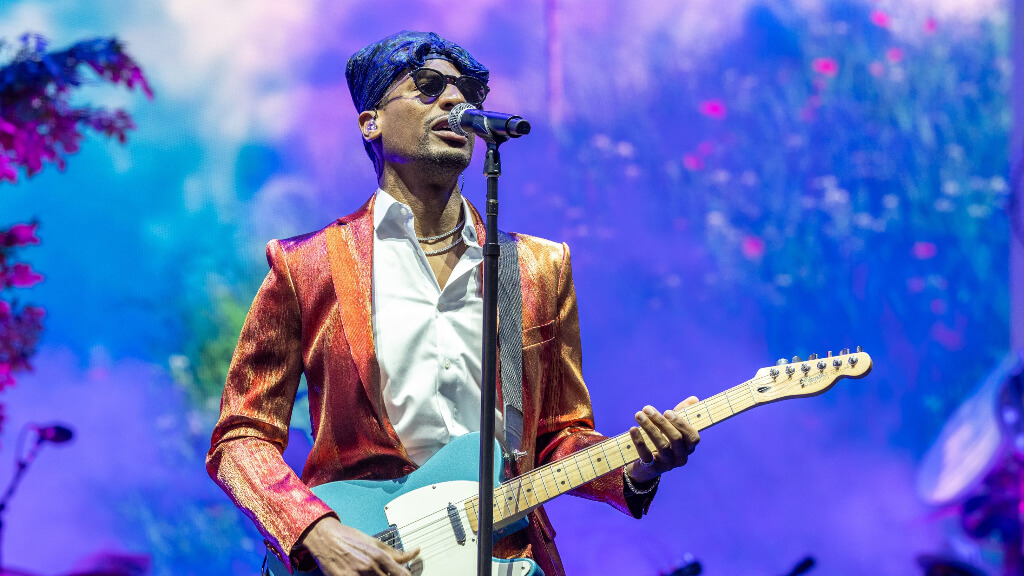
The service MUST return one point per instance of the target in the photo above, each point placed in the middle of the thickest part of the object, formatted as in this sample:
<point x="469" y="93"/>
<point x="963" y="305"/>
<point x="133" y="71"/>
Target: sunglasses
<point x="432" y="83"/>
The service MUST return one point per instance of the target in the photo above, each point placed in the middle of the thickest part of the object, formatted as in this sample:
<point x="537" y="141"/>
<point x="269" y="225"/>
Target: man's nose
<point x="450" y="97"/>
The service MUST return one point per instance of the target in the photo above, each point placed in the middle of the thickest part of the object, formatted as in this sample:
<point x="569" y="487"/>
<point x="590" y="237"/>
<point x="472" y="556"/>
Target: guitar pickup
<point x="453" y="516"/>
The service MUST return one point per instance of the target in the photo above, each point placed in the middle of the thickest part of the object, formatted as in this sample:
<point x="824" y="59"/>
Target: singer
<point x="382" y="311"/>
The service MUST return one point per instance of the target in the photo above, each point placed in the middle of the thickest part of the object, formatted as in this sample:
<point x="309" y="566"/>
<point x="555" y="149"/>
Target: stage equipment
<point x="689" y="567"/>
<point x="977" y="463"/>
<point x="802" y="567"/>
<point x="487" y="125"/>
<point x="54" y="433"/>
<point x="457" y="119"/>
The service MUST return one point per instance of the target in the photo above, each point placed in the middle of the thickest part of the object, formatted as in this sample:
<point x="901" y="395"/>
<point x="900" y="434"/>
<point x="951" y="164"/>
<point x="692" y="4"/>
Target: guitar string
<point x="439" y="521"/>
<point x="439" y="526"/>
<point x="713" y="404"/>
<point x="430" y="551"/>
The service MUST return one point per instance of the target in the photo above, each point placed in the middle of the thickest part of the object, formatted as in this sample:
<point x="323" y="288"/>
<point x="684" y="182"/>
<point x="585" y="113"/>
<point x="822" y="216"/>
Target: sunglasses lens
<point x="429" y="82"/>
<point x="473" y="90"/>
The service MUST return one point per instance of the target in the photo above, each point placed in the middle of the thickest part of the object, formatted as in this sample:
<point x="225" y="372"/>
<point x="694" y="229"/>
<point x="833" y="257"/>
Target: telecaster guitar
<point x="435" y="507"/>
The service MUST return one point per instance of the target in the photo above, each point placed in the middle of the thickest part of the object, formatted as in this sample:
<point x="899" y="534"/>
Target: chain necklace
<point x="455" y="243"/>
<point x="446" y="234"/>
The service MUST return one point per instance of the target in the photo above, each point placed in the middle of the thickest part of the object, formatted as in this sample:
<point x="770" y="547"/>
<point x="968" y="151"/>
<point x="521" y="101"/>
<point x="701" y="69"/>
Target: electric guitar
<point x="435" y="507"/>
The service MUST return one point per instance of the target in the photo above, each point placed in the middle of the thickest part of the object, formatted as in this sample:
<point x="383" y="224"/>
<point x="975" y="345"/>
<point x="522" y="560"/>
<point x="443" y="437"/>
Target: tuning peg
<point x="844" y="351"/>
<point x="812" y="357"/>
<point x="780" y="362"/>
<point x="860" y="348"/>
<point x="828" y="354"/>
<point x="774" y="372"/>
<point x="797" y="359"/>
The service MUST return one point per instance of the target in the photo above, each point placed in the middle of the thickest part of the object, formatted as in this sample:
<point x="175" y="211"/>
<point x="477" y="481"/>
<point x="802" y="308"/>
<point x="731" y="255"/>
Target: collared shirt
<point x="428" y="340"/>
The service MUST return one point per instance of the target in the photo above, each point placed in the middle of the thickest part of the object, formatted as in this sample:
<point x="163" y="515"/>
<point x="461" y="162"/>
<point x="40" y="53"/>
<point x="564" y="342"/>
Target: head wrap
<point x="371" y="70"/>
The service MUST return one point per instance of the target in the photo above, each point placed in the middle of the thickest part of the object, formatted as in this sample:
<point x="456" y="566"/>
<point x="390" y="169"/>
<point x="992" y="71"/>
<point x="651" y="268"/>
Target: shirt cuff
<point x="639" y="501"/>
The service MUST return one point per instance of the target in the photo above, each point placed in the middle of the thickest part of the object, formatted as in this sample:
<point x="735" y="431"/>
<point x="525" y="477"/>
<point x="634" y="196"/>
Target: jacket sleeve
<point x="245" y="456"/>
<point x="566" y="423"/>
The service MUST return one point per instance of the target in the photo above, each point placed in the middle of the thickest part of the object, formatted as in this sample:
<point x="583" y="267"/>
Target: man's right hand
<point x="344" y="551"/>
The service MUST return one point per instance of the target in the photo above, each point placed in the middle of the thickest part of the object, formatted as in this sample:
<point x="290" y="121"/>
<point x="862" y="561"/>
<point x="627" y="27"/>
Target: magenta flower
<point x="930" y="26"/>
<point x="894" y="54"/>
<point x="5" y="310"/>
<point x="752" y="247"/>
<point x="23" y="276"/>
<point x="692" y="162"/>
<point x="877" y="69"/>
<point x="924" y="250"/>
<point x="705" y="148"/>
<point x="880" y="19"/>
<point x="714" y="109"/>
<point x="22" y="235"/>
<point x="825" y="66"/>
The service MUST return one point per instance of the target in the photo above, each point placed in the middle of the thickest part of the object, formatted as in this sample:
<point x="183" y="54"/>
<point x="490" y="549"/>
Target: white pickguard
<point x="422" y="521"/>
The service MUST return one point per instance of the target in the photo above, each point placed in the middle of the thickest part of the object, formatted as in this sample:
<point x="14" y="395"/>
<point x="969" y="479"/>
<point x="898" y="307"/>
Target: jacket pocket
<point x="538" y="334"/>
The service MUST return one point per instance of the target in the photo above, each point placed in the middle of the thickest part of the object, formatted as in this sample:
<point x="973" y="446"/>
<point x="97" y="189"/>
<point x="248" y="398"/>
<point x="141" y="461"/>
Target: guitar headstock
<point x="799" y="378"/>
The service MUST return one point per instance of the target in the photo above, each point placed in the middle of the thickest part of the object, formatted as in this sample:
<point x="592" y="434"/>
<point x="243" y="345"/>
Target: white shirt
<point x="428" y="340"/>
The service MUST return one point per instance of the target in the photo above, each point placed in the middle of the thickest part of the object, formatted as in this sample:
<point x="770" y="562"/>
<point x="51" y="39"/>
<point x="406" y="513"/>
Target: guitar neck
<point x="515" y="498"/>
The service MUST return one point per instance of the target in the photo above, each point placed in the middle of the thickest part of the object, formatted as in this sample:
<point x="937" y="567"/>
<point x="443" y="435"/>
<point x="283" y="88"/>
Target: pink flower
<point x="752" y="247"/>
<point x="23" y="276"/>
<point x="924" y="250"/>
<point x="894" y="54"/>
<point x="714" y="109"/>
<point x="5" y="310"/>
<point x="705" y="148"/>
<point x="22" y="235"/>
<point x="930" y="26"/>
<point x="692" y="162"/>
<point x="825" y="66"/>
<point x="880" y="19"/>
<point x="877" y="69"/>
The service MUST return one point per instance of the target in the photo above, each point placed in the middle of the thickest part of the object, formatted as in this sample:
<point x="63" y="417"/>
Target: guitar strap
<point x="510" y="341"/>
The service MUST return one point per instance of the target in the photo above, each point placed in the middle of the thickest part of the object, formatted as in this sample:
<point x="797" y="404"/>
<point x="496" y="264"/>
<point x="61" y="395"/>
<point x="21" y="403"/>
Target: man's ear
<point x="369" y="126"/>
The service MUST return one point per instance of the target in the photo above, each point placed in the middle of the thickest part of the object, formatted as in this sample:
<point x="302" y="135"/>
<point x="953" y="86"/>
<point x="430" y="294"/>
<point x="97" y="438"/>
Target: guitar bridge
<point x="390" y="537"/>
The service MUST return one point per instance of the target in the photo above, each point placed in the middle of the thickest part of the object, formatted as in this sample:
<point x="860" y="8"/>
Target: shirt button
<point x="447" y="363"/>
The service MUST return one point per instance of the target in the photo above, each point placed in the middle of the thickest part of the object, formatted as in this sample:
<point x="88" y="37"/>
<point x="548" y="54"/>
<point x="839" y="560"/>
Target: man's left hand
<point x="672" y="438"/>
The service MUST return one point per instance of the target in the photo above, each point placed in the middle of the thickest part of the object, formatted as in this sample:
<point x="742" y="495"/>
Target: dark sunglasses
<point x="432" y="83"/>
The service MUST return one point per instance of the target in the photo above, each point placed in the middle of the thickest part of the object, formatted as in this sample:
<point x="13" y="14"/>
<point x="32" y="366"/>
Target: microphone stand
<point x="19" y="473"/>
<point x="488" y="380"/>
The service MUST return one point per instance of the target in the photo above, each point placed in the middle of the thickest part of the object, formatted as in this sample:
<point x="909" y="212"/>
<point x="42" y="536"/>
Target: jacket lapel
<point x="350" y="249"/>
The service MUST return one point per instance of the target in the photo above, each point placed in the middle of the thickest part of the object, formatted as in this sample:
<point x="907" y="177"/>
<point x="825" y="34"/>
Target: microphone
<point x="56" y="433"/>
<point x="490" y="126"/>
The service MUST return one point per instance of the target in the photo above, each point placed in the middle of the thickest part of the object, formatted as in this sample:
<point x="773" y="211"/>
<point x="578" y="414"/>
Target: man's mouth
<point x="444" y="130"/>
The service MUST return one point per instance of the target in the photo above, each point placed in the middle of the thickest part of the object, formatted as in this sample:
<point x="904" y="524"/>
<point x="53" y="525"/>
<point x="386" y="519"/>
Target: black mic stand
<point x="488" y="380"/>
<point x="19" y="472"/>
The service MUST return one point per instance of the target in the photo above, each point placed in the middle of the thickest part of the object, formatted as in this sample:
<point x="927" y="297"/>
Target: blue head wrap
<point x="372" y="70"/>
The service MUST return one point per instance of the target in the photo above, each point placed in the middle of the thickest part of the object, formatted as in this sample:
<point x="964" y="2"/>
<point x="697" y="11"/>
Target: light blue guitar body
<point x="425" y="509"/>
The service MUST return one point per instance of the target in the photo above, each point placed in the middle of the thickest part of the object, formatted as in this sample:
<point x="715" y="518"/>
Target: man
<point x="382" y="311"/>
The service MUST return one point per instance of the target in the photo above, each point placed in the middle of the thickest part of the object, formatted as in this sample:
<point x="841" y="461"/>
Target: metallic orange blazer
<point x="312" y="315"/>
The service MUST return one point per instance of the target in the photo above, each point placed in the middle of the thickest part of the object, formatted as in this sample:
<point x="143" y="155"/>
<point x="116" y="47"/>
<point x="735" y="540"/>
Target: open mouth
<point x="444" y="130"/>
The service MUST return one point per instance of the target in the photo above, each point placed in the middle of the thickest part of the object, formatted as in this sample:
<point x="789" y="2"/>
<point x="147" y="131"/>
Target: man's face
<point x="414" y="127"/>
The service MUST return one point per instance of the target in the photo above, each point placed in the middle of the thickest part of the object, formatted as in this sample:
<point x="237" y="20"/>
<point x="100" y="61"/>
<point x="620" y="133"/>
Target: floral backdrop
<point x="737" y="183"/>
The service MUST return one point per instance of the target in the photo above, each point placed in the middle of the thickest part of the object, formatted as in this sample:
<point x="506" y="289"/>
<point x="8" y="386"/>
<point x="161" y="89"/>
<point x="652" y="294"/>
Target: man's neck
<point x="436" y="203"/>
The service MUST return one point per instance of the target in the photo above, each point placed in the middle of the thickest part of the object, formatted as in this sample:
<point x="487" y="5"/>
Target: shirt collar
<point x="387" y="209"/>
